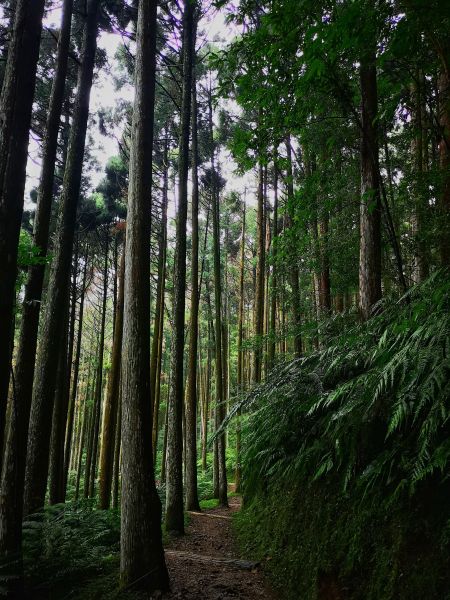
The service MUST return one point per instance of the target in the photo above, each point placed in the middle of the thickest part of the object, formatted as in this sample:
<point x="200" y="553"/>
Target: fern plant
<point x="373" y="408"/>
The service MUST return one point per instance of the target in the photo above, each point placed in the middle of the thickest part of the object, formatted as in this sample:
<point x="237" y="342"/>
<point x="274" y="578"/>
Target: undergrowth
<point x="346" y="457"/>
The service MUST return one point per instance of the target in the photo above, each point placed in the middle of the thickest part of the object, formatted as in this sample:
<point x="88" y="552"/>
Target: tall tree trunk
<point x="44" y="381"/>
<point x="57" y="486"/>
<point x="164" y="449"/>
<point x="16" y="103"/>
<point x="141" y="553"/>
<point x="117" y="454"/>
<point x="174" y="494"/>
<point x="274" y="286"/>
<point x="192" y="502"/>
<point x="220" y="395"/>
<point x="370" y="209"/>
<point x="293" y="269"/>
<point x="84" y="417"/>
<point x="76" y="368"/>
<point x="259" y="282"/>
<point x="444" y="157"/>
<point x="240" y="356"/>
<point x="59" y="421"/>
<point x="112" y="400"/>
<point x="156" y="356"/>
<point x="324" y="278"/>
<point x="419" y="144"/>
<point x="16" y="448"/>
<point x="90" y="433"/>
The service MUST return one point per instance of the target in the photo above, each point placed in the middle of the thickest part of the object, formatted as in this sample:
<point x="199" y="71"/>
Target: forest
<point x="224" y="299"/>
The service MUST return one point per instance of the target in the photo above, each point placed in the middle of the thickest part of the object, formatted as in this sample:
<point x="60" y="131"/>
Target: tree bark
<point x="220" y="396"/>
<point x="44" y="381"/>
<point x="293" y="270"/>
<point x="240" y="357"/>
<point x="99" y="382"/>
<point x="174" y="493"/>
<point x="274" y="286"/>
<point x="59" y="421"/>
<point x="370" y="208"/>
<point x="112" y="400"/>
<point x="192" y="502"/>
<point x="156" y="356"/>
<point x="76" y="369"/>
<point x="16" y="103"/>
<point x="16" y="448"/>
<point x="421" y="268"/>
<point x="259" y="282"/>
<point x="141" y="554"/>
<point x="117" y="454"/>
<point x="444" y="160"/>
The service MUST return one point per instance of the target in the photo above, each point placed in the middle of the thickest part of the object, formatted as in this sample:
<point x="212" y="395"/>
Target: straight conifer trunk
<point x="156" y="356"/>
<point x="274" y="286"/>
<point x="220" y="466"/>
<point x="112" y="400"/>
<point x="99" y="382"/>
<point x="45" y="375"/>
<point x="76" y="368"/>
<point x="293" y="271"/>
<point x="260" y="277"/>
<point x="192" y="502"/>
<point x="16" y="446"/>
<point x="16" y="103"/>
<point x="141" y="553"/>
<point x="240" y="357"/>
<point x="174" y="477"/>
<point x="370" y="208"/>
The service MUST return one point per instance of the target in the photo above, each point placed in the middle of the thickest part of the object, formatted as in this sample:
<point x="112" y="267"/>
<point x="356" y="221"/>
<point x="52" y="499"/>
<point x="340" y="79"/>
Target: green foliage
<point x="356" y="436"/>
<point x="67" y="543"/>
<point x="28" y="254"/>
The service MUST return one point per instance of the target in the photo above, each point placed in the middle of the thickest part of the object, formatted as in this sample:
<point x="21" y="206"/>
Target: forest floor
<point x="205" y="565"/>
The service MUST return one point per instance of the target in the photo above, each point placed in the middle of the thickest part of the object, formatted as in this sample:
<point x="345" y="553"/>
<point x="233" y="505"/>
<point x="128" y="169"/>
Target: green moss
<point x="317" y="537"/>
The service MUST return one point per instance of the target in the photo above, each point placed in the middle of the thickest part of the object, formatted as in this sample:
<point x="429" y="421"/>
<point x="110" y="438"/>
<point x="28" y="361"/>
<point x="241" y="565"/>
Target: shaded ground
<point x="209" y="537"/>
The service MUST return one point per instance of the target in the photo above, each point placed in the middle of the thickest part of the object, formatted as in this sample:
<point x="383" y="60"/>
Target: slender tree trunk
<point x="98" y="393"/>
<point x="293" y="268"/>
<point x="80" y="449"/>
<point x="26" y="52"/>
<point x="91" y="434"/>
<point x="174" y="493"/>
<point x="157" y="402"/>
<point x="259" y="282"/>
<point x="240" y="357"/>
<point x="59" y="421"/>
<point x="274" y="290"/>
<point x="164" y="450"/>
<point x="44" y="381"/>
<point x="57" y="486"/>
<point x="220" y="391"/>
<point x="444" y="158"/>
<point x="370" y="210"/>
<point x="16" y="103"/>
<point x="141" y="553"/>
<point x="421" y="269"/>
<point x="74" y="392"/>
<point x="192" y="502"/>
<point x="324" y="279"/>
<point x="156" y="357"/>
<point x="112" y="401"/>
<point x="117" y="454"/>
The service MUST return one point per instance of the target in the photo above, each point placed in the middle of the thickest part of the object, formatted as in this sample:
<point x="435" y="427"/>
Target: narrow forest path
<point x="205" y="564"/>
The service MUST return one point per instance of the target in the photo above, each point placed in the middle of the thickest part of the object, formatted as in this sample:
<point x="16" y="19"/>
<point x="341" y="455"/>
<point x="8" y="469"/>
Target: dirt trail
<point x="205" y="563"/>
